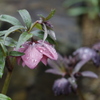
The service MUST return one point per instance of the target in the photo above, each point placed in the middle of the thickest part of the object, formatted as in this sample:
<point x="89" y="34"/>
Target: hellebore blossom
<point x="36" y="52"/>
<point x="83" y="54"/>
<point x="70" y="73"/>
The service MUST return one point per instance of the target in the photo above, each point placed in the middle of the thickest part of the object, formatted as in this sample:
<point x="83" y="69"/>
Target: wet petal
<point x="22" y="49"/>
<point x="89" y="74"/>
<point x="24" y="46"/>
<point x="18" y="60"/>
<point x="44" y="60"/>
<point x="47" y="50"/>
<point x="32" y="57"/>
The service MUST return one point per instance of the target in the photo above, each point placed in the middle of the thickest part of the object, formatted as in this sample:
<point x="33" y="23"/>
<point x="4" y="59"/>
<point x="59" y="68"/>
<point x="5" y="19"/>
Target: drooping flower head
<point x="62" y="86"/>
<point x="36" y="52"/>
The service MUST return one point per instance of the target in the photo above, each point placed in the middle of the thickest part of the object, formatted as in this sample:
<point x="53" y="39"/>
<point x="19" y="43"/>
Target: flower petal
<point x="89" y="74"/>
<point x="84" y="53"/>
<point x="44" y="60"/>
<point x="18" y="60"/>
<point x="54" y="71"/>
<point x="23" y="64"/>
<point x="32" y="57"/>
<point x="47" y="50"/>
<point x="23" y="47"/>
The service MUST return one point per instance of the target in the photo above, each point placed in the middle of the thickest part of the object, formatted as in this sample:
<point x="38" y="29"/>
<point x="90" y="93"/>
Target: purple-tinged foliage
<point x="89" y="74"/>
<point x="70" y="67"/>
<point x="48" y="24"/>
<point x="57" y="66"/>
<point x="83" y="54"/>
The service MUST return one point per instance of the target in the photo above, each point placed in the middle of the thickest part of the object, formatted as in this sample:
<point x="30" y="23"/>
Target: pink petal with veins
<point x="47" y="50"/>
<point x="22" y="49"/>
<point x="32" y="57"/>
<point x="24" y="46"/>
<point x="44" y="60"/>
<point x="23" y="64"/>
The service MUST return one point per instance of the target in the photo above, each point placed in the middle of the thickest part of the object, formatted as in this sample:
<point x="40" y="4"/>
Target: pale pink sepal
<point x="44" y="60"/>
<point x="32" y="57"/>
<point x="47" y="50"/>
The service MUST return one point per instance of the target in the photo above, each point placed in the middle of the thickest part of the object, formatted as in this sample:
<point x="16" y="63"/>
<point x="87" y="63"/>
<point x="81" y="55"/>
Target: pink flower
<point x="36" y="52"/>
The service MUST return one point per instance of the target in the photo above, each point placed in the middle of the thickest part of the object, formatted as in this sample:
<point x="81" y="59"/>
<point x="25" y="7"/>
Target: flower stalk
<point x="80" y="95"/>
<point x="6" y="83"/>
<point x="33" y="25"/>
<point x="8" y="76"/>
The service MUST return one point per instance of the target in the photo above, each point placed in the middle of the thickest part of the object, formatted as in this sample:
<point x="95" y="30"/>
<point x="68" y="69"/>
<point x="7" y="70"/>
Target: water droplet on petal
<point x="27" y="58"/>
<point x="73" y="80"/>
<point x="35" y="60"/>
<point x="41" y="50"/>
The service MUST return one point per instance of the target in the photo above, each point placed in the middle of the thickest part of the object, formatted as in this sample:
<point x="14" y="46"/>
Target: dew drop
<point x="34" y="60"/>
<point x="41" y="50"/>
<point x="27" y="58"/>
<point x="73" y="81"/>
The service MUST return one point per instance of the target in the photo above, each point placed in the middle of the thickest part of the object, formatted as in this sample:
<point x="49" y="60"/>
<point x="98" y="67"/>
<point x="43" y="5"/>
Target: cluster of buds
<point x="69" y="68"/>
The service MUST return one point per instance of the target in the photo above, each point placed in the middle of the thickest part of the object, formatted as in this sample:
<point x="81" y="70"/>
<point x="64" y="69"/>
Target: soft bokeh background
<point x="72" y="33"/>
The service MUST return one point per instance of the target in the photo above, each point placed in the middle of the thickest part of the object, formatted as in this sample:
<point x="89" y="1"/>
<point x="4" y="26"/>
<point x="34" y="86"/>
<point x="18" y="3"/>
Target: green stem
<point x="80" y="95"/>
<point x="6" y="83"/>
<point x="9" y="74"/>
<point x="32" y="26"/>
